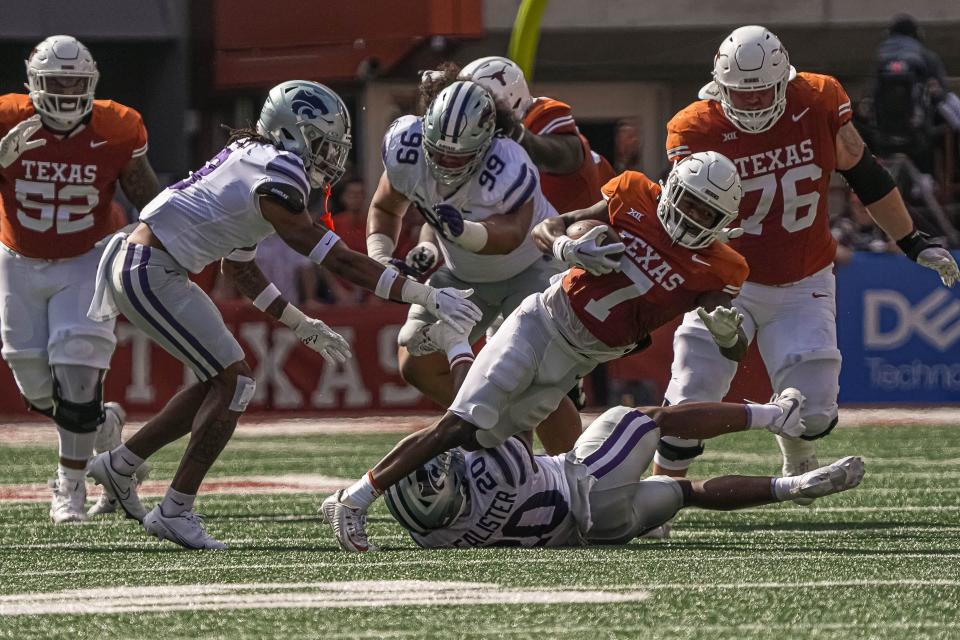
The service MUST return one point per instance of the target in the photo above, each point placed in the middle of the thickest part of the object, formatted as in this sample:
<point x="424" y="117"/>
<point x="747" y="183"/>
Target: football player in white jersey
<point x="481" y="193"/>
<point x="256" y="186"/>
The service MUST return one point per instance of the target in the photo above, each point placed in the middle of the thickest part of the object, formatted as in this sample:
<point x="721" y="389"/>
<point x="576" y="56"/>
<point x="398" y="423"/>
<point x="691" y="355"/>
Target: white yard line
<point x="317" y="595"/>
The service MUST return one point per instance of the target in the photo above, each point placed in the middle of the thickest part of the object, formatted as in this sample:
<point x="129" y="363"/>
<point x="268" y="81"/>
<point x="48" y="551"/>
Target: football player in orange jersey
<point x="606" y="306"/>
<point x="787" y="132"/>
<point x="62" y="154"/>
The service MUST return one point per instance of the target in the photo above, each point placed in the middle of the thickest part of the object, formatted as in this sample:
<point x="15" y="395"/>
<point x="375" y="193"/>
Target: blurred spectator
<point x="627" y="145"/>
<point x="855" y="230"/>
<point x="910" y="90"/>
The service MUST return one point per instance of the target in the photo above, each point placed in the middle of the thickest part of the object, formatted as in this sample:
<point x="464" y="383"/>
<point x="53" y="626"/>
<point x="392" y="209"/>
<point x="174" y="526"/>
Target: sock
<point x="76" y="475"/>
<point x="361" y="494"/>
<point x="124" y="461"/>
<point x="780" y="487"/>
<point x="761" y="415"/>
<point x="174" y="503"/>
<point x="459" y="353"/>
<point x="76" y="446"/>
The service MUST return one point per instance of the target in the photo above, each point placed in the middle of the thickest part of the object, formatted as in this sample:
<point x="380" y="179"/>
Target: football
<point x="578" y="229"/>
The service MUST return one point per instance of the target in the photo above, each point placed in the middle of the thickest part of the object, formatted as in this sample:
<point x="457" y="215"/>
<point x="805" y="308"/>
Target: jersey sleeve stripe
<point x="526" y="193"/>
<point x="501" y="462"/>
<point x="678" y="149"/>
<point x="516" y="183"/>
<point x="299" y="180"/>
<point x="512" y="447"/>
<point x="731" y="289"/>
<point x="556" y="124"/>
<point x="139" y="152"/>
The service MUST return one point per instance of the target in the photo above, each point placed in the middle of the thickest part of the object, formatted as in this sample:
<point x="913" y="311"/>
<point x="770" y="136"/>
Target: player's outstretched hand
<point x="595" y="258"/>
<point x="17" y="141"/>
<point x="942" y="262"/>
<point x="328" y="343"/>
<point x="451" y="306"/>
<point x="723" y="324"/>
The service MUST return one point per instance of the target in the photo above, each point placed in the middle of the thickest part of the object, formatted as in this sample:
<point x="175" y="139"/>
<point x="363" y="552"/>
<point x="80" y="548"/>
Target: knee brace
<point x="677" y="453"/>
<point x="243" y="393"/>
<point x="818" y="426"/>
<point x="78" y="417"/>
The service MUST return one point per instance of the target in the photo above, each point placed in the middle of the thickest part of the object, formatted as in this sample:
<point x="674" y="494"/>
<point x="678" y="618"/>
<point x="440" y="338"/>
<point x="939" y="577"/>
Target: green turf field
<point x="882" y="561"/>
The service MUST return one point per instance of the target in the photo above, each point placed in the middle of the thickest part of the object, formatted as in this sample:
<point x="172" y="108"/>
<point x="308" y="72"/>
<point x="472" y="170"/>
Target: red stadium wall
<point x="293" y="379"/>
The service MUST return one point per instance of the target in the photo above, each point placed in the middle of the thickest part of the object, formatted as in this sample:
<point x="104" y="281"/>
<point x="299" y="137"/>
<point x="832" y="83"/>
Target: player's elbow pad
<point x="868" y="179"/>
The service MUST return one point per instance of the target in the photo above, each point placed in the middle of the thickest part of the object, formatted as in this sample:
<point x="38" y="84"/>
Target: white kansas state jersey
<point x="514" y="502"/>
<point x="212" y="212"/>
<point x="505" y="180"/>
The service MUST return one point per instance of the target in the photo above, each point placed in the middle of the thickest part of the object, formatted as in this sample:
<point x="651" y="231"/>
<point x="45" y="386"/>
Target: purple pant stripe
<point x="612" y="438"/>
<point x="625" y="451"/>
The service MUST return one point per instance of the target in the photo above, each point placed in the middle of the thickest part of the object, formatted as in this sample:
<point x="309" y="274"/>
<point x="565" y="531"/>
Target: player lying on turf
<point x="595" y="494"/>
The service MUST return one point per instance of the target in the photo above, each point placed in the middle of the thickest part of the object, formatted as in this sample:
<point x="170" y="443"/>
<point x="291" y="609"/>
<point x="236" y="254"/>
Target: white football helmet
<point x="704" y="178"/>
<point x="309" y="120"/>
<point x="503" y="78"/>
<point x="751" y="59"/>
<point x="431" y="497"/>
<point x="61" y="79"/>
<point x="457" y="129"/>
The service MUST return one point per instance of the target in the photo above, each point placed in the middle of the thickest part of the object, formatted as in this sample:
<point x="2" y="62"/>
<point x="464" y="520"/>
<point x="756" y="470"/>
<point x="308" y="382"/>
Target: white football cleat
<point x="349" y="524"/>
<point x="788" y="424"/>
<point x="116" y="485"/>
<point x="843" y="474"/>
<point x="186" y="529"/>
<point x="107" y="504"/>
<point x="68" y="498"/>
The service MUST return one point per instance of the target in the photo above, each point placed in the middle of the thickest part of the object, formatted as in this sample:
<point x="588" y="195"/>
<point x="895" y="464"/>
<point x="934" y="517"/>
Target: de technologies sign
<point x="899" y="332"/>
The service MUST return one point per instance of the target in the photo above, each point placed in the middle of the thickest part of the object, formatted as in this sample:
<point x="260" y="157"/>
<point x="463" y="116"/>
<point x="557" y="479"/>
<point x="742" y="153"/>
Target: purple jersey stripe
<point x="621" y="455"/>
<point x="498" y="458"/>
<point x="513" y="447"/>
<point x="299" y="179"/>
<point x="166" y="315"/>
<point x="525" y="195"/>
<point x="516" y="183"/>
<point x="128" y="289"/>
<point x="611" y="439"/>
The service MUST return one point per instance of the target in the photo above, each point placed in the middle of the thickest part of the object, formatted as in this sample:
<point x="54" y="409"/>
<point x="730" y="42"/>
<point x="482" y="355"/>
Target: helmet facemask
<point x="464" y="164"/>
<point x="756" y="120"/>
<point x="326" y="160"/>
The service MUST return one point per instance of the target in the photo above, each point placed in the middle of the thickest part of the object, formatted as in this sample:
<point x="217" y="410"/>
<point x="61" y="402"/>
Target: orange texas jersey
<point x="658" y="280"/>
<point x="785" y="171"/>
<point x="55" y="199"/>
<point x="566" y="192"/>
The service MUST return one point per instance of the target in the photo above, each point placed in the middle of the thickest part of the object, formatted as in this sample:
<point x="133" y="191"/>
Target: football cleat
<point x="107" y="504"/>
<point x="116" y="485"/>
<point x="788" y="424"/>
<point x="842" y="475"/>
<point x="349" y="524"/>
<point x="185" y="529"/>
<point x="68" y="498"/>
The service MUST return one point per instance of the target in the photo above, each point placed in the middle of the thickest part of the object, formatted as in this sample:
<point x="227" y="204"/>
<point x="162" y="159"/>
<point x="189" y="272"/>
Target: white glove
<point x="17" y="141"/>
<point x="451" y="306"/>
<point x="723" y="324"/>
<point x="317" y="335"/>
<point x="586" y="253"/>
<point x="422" y="257"/>
<point x="729" y="233"/>
<point x="942" y="262"/>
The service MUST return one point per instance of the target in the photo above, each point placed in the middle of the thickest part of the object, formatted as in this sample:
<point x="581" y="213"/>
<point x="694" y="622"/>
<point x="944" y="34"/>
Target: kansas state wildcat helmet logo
<point x="308" y="104"/>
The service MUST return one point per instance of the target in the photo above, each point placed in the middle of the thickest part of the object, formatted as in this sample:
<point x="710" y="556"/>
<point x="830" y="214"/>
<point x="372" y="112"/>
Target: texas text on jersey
<point x="658" y="279"/>
<point x="786" y="174"/>
<point x="513" y="502"/>
<point x="566" y="192"/>
<point x="55" y="199"/>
